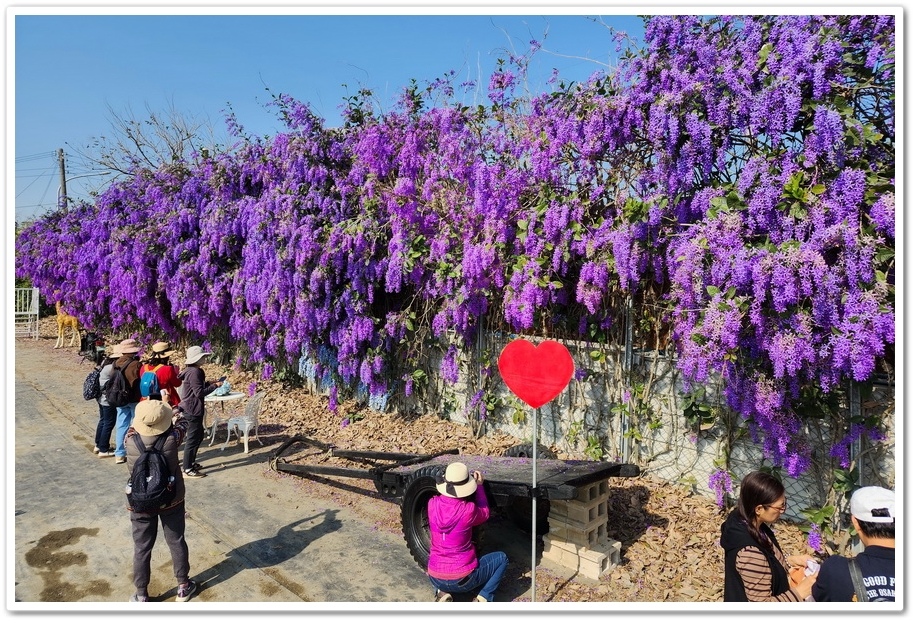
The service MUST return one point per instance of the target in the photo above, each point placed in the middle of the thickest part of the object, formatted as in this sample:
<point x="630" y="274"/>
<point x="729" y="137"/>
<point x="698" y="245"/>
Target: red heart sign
<point x="536" y="374"/>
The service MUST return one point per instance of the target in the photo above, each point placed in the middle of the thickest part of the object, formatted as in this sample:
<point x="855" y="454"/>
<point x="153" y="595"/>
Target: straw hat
<point x="195" y="354"/>
<point x="457" y="483"/>
<point x="161" y="350"/>
<point x="152" y="417"/>
<point x="129" y="347"/>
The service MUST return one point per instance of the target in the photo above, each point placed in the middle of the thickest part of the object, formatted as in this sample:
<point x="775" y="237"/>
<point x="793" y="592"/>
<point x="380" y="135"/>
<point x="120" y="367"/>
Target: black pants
<point x="192" y="442"/>
<point x="144" y="529"/>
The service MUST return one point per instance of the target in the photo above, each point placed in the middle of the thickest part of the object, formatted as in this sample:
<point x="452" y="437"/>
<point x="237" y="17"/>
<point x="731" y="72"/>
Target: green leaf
<point x="764" y="54"/>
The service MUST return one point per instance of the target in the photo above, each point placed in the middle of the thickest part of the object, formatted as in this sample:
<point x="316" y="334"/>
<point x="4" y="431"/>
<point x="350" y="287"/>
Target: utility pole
<point x="62" y="200"/>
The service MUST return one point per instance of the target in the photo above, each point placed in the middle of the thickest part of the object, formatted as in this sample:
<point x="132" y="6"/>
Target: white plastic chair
<point x="245" y="423"/>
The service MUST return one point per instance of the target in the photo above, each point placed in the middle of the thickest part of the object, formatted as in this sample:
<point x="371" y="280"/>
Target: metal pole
<point x="534" y="503"/>
<point x="628" y="371"/>
<point x="62" y="198"/>
<point x="855" y="412"/>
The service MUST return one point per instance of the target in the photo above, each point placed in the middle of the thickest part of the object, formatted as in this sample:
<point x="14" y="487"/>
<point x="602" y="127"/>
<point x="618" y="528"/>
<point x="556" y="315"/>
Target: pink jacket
<point x="451" y="522"/>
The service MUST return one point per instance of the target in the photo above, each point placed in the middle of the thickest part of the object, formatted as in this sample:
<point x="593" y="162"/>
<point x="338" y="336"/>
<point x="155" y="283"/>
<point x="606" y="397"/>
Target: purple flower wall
<point x="737" y="173"/>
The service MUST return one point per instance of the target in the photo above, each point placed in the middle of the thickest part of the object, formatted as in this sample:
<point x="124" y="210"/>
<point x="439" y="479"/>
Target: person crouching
<point x="453" y="563"/>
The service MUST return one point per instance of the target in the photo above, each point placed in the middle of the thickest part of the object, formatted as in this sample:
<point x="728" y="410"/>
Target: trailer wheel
<point x="518" y="509"/>
<point x="414" y="519"/>
<point x="526" y="450"/>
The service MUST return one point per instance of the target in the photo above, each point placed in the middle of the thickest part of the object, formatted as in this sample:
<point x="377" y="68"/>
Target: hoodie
<point x="195" y="387"/>
<point x="735" y="537"/>
<point x="451" y="522"/>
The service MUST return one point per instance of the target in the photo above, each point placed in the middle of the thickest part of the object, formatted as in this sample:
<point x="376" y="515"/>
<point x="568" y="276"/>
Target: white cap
<point x="873" y="504"/>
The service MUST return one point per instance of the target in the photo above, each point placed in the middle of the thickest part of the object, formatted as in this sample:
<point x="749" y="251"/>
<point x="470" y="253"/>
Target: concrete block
<point x="591" y="563"/>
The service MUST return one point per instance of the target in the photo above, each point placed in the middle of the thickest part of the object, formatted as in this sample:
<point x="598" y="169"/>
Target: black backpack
<point x="117" y="389"/>
<point x="151" y="485"/>
<point x="91" y="387"/>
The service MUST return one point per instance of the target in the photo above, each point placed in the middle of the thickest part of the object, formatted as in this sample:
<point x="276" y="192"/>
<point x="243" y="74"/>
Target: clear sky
<point x="70" y="71"/>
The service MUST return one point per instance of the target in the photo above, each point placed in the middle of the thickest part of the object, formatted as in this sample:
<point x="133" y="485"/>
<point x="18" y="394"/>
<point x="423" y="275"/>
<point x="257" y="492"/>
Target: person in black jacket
<point x="755" y="567"/>
<point x="195" y="387"/>
<point x="873" y="516"/>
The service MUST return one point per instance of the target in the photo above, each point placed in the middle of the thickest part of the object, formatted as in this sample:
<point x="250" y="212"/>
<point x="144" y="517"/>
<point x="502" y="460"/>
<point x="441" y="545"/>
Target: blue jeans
<point x="488" y="574"/>
<point x="107" y="418"/>
<point x="125" y="418"/>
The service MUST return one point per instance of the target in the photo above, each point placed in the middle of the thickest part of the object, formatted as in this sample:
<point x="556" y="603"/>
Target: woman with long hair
<point x="756" y="569"/>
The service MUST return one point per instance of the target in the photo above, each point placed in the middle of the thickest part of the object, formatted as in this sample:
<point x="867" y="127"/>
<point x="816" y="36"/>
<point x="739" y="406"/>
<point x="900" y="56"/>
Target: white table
<point x="212" y="397"/>
<point x="222" y="400"/>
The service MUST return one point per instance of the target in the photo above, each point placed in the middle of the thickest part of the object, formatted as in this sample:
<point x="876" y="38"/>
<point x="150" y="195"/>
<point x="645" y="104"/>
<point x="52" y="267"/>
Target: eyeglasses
<point x="781" y="509"/>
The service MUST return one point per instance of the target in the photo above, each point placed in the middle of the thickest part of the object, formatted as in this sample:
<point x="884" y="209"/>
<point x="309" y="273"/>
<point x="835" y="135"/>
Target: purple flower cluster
<point x="721" y="483"/>
<point x="736" y="175"/>
<point x="815" y="538"/>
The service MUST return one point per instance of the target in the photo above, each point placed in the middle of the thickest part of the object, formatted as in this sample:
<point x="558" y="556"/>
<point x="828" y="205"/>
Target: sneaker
<point x="480" y="598"/>
<point x="197" y="467"/>
<point x="95" y="450"/>
<point x="186" y="590"/>
<point x="136" y="597"/>
<point x="103" y="455"/>
<point x="121" y="459"/>
<point x="193" y="473"/>
<point x="443" y="596"/>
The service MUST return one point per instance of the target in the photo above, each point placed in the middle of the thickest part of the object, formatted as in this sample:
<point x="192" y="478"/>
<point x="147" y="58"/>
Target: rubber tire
<point x="526" y="450"/>
<point x="414" y="518"/>
<point x="518" y="509"/>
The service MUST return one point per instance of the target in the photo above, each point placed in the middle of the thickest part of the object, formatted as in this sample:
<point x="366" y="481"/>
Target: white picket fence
<point x="26" y="312"/>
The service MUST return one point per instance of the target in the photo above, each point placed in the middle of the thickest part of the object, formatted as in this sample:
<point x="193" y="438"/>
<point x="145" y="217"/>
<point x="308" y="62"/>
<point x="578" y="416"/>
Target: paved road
<point x="252" y="537"/>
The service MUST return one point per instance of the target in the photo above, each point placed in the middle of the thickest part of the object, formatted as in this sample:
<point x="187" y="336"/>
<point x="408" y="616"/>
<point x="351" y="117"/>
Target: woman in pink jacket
<point x="453" y="563"/>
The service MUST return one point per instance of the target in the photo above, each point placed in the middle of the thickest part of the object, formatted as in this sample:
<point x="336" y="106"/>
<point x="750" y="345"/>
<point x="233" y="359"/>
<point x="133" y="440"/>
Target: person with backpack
<point x="874" y="515"/>
<point x="108" y="414"/>
<point x="123" y="392"/>
<point x="166" y="373"/>
<point x="195" y="388"/>
<point x="157" y="429"/>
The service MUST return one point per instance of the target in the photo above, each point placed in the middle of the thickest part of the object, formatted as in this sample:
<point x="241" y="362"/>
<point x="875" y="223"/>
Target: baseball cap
<point x="874" y="504"/>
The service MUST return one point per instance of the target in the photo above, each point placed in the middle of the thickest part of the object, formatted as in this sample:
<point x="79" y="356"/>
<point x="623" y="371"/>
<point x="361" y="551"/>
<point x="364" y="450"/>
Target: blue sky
<point x="72" y="70"/>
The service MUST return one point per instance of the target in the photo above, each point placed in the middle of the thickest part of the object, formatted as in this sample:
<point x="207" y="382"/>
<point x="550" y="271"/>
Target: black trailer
<point x="412" y="479"/>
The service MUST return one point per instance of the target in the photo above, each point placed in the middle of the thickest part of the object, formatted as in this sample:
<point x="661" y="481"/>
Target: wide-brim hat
<point x="129" y="347"/>
<point x="152" y="417"/>
<point x="161" y="350"/>
<point x="457" y="482"/>
<point x="195" y="354"/>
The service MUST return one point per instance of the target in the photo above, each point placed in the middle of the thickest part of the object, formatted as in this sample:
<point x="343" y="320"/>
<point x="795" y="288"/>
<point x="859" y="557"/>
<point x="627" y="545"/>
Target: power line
<point x="48" y="154"/>
<point x="34" y="179"/>
<point x="41" y="200"/>
<point x="32" y="169"/>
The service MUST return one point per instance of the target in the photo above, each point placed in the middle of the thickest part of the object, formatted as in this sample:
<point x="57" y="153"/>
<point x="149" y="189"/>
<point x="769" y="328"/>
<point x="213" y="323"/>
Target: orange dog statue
<point x="65" y="320"/>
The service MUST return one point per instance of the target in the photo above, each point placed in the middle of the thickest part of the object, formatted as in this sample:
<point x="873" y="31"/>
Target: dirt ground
<point x="669" y="535"/>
